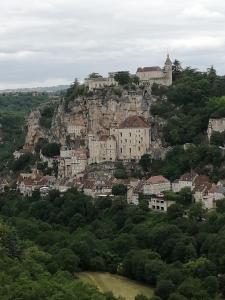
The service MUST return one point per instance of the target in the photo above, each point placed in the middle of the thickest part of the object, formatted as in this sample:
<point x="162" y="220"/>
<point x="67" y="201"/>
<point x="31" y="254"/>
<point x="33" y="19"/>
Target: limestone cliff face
<point x="92" y="114"/>
<point x="34" y="130"/>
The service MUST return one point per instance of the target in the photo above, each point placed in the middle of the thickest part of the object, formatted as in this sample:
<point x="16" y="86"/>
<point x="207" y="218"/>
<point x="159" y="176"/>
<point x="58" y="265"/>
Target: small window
<point x="130" y="150"/>
<point x="120" y="133"/>
<point x="130" y="133"/>
<point x="121" y="150"/>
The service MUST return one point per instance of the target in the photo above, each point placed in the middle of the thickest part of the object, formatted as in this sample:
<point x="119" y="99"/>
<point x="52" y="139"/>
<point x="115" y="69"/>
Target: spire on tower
<point x="168" y="60"/>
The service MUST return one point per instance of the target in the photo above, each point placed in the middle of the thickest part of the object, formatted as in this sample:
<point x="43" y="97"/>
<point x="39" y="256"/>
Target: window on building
<point x="130" y="150"/>
<point x="139" y="148"/>
<point x="130" y="133"/>
<point x="120" y="133"/>
<point x="162" y="208"/>
<point x="121" y="150"/>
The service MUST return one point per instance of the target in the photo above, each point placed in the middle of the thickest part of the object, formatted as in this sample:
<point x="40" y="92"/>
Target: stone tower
<point x="168" y="70"/>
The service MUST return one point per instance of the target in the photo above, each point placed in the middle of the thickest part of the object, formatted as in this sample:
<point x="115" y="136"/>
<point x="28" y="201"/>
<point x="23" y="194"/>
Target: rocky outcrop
<point x="94" y="114"/>
<point x="34" y="130"/>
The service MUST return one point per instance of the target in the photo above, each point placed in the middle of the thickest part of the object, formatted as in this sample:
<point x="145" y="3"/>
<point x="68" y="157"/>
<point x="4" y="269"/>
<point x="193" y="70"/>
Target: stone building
<point x="101" y="148"/>
<point x="133" y="138"/>
<point x="76" y="126"/>
<point x="100" y="82"/>
<point x="159" y="203"/>
<point x="72" y="162"/>
<point x="130" y="140"/>
<point x="215" y="125"/>
<point x="185" y="181"/>
<point x="150" y="75"/>
<point x="156" y="185"/>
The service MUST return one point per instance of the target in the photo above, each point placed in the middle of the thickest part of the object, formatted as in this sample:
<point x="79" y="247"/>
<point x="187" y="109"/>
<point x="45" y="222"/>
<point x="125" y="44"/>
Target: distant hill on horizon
<point x="51" y="89"/>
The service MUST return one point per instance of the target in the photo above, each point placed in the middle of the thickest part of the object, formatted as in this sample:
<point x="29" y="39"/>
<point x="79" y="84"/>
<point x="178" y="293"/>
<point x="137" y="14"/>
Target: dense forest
<point x="13" y="111"/>
<point x="46" y="241"/>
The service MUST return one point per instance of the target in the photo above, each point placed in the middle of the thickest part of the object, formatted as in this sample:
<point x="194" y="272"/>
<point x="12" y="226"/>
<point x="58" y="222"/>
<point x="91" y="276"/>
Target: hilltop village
<point x="94" y="139"/>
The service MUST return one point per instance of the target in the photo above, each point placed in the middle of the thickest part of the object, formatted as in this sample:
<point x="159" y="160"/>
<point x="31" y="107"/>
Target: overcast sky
<point x="48" y="42"/>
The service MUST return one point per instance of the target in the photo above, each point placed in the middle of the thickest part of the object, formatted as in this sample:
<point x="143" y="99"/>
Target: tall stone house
<point x="130" y="140"/>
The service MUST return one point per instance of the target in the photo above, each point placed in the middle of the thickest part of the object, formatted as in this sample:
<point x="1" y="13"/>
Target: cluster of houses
<point x="27" y="183"/>
<point x="151" y="189"/>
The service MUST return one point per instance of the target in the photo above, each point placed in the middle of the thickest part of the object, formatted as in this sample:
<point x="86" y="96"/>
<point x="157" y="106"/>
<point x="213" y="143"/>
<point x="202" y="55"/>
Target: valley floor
<point x="118" y="285"/>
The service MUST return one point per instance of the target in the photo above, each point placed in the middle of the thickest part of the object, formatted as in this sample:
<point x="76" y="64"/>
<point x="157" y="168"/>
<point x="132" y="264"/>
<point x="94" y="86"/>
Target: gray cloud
<point x="54" y="41"/>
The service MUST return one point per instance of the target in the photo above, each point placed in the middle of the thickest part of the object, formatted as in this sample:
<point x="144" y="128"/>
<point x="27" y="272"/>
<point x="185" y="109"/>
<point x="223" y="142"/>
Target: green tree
<point x="51" y="150"/>
<point x="123" y="77"/>
<point x="119" y="189"/>
<point x="164" y="288"/>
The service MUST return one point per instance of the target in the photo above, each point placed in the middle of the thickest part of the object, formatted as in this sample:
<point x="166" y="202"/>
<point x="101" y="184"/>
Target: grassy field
<point x="118" y="285"/>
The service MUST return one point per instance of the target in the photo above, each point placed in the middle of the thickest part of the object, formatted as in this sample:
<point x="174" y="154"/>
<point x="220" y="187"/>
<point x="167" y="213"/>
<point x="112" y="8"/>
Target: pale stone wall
<point x="156" y="188"/>
<point x="150" y="75"/>
<point x="133" y="142"/>
<point x="110" y="147"/>
<point x="72" y="162"/>
<point x="101" y="150"/>
<point x="215" y="125"/>
<point x="99" y="83"/>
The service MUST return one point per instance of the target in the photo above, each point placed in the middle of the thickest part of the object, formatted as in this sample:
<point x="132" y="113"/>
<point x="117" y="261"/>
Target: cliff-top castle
<point x="146" y="75"/>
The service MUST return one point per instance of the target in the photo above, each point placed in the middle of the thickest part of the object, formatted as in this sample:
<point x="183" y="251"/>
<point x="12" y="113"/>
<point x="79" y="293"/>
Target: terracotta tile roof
<point x="89" y="184"/>
<point x="134" y="122"/>
<point x="205" y="187"/>
<point x="149" y="69"/>
<point x="157" y="179"/>
<point x="200" y="179"/>
<point x="188" y="176"/>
